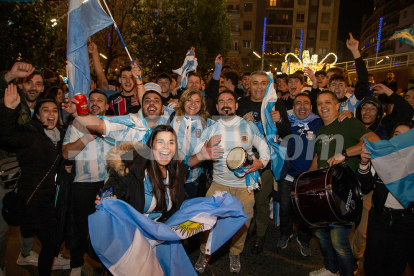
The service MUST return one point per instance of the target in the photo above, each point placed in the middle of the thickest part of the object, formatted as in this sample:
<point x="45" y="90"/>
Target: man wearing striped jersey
<point x="233" y="131"/>
<point x="89" y="151"/>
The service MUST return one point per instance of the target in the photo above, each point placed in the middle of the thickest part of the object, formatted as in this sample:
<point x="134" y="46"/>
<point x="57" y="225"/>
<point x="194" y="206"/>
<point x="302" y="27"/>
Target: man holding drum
<point x="233" y="131"/>
<point x="337" y="142"/>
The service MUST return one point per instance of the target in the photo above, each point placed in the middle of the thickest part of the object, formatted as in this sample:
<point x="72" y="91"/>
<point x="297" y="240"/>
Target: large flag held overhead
<point x="277" y="152"/>
<point x="405" y="36"/>
<point x="86" y="17"/>
<point x="393" y="160"/>
<point x="129" y="243"/>
<point x="190" y="64"/>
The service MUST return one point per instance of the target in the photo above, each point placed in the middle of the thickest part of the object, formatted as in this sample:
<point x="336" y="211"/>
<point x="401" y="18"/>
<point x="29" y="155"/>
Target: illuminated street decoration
<point x="306" y="61"/>
<point x="379" y="34"/>
<point x="301" y="43"/>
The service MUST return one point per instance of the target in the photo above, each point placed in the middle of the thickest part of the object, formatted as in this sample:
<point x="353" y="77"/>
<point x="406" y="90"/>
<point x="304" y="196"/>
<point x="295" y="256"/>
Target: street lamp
<point x="256" y="54"/>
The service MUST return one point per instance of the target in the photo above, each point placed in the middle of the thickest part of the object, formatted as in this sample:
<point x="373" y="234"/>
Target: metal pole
<point x="262" y="60"/>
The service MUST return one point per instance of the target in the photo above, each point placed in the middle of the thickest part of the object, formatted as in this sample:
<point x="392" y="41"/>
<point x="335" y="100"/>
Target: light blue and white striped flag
<point x="405" y="36"/>
<point x="129" y="243"/>
<point x="393" y="160"/>
<point x="86" y="17"/>
<point x="277" y="152"/>
<point x="190" y="64"/>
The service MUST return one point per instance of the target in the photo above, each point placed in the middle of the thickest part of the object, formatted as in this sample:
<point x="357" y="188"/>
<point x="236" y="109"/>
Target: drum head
<point x="236" y="158"/>
<point x="346" y="193"/>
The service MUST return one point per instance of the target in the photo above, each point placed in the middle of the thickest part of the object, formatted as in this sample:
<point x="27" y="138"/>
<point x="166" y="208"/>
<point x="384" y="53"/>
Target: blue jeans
<point x="336" y="249"/>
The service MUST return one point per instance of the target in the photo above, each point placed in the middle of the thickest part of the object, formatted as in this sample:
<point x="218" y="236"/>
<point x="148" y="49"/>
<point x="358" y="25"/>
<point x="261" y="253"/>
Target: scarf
<point x="302" y="123"/>
<point x="53" y="134"/>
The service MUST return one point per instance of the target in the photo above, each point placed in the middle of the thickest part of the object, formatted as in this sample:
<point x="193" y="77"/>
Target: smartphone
<point x="106" y="194"/>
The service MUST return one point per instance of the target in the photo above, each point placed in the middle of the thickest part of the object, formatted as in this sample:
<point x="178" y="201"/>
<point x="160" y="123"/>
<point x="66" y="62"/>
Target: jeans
<point x="261" y="197"/>
<point x="390" y="242"/>
<point x="286" y="213"/>
<point x="336" y="249"/>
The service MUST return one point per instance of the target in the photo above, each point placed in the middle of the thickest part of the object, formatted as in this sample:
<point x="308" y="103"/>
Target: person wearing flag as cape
<point x="390" y="238"/>
<point x="337" y="141"/>
<point x="232" y="131"/>
<point x="250" y="109"/>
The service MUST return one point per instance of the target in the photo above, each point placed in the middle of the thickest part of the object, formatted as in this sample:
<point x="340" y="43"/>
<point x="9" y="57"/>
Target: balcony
<point x="233" y="13"/>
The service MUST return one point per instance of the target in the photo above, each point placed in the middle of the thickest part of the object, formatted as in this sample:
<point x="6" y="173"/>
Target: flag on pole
<point x="277" y="152"/>
<point x="129" y="243"/>
<point x="393" y="160"/>
<point x="405" y="36"/>
<point x="190" y="64"/>
<point x="85" y="18"/>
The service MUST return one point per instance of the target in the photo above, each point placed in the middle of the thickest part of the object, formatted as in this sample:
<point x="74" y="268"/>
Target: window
<point x="311" y="34"/>
<point x="314" y="2"/>
<point x="246" y="44"/>
<point x="272" y="3"/>
<point x="326" y="17"/>
<point x="326" y="2"/>
<point x="247" y="25"/>
<point x="285" y="16"/>
<point x="229" y="7"/>
<point x="236" y="45"/>
<point x="324" y="35"/>
<point x="235" y="27"/>
<point x="298" y="33"/>
<point x="313" y="16"/>
<point x="323" y="51"/>
<point x="300" y="17"/>
<point x="301" y="2"/>
<point x="248" y="7"/>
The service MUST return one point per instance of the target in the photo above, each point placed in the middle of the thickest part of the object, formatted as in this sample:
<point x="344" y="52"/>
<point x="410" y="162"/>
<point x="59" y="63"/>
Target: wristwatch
<point x="344" y="154"/>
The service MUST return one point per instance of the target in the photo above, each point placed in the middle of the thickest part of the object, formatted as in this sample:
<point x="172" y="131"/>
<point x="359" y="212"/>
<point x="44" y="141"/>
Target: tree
<point x="164" y="32"/>
<point x="28" y="34"/>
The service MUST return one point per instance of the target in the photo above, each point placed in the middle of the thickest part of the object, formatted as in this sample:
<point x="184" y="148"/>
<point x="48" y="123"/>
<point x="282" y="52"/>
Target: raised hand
<point x="218" y="60"/>
<point x="381" y="89"/>
<point x="92" y="48"/>
<point x="19" y="70"/>
<point x="69" y="105"/>
<point x="11" y="97"/>
<point x="352" y="44"/>
<point x="136" y="71"/>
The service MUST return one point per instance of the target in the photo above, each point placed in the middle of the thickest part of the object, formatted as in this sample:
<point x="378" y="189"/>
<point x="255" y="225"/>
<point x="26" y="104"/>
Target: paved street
<point x="271" y="261"/>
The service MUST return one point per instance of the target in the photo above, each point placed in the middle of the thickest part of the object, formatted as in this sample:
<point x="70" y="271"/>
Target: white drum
<point x="238" y="158"/>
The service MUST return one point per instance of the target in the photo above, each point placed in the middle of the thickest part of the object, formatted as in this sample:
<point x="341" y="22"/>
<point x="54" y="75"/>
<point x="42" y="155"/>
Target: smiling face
<point x="165" y="85"/>
<point x="321" y="80"/>
<point x="152" y="106"/>
<point x="282" y="85"/>
<point x="258" y="85"/>
<point x="163" y="148"/>
<point x="294" y="86"/>
<point x="246" y="82"/>
<point x="59" y="96"/>
<point x="327" y="108"/>
<point x="48" y="115"/>
<point x="194" y="83"/>
<point x="338" y="87"/>
<point x="32" y="87"/>
<point x="302" y="107"/>
<point x="193" y="105"/>
<point x="369" y="113"/>
<point x="227" y="105"/>
<point x="97" y="104"/>
<point x="127" y="81"/>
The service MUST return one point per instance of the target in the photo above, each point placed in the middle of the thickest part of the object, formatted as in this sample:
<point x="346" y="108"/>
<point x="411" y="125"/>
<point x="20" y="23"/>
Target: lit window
<point x="272" y="3"/>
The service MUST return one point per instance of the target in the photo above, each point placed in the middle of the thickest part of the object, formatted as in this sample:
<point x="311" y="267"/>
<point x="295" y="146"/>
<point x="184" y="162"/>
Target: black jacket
<point x="36" y="154"/>
<point x="127" y="173"/>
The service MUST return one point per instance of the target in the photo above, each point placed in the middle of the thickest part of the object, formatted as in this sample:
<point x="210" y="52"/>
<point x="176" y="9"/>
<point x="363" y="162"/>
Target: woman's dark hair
<point x="154" y="172"/>
<point x="39" y="105"/>
<point x="51" y="93"/>
<point x="409" y="125"/>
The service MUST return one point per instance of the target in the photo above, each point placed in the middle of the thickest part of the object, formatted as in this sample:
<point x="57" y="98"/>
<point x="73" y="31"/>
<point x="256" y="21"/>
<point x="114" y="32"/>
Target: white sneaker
<point x="77" y="271"/>
<point x="29" y="260"/>
<point x="322" y="272"/>
<point x="61" y="263"/>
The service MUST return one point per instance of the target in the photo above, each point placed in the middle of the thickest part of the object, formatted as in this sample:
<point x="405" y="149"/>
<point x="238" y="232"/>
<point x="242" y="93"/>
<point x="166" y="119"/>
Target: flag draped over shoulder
<point x="393" y="160"/>
<point x="277" y="152"/>
<point x="129" y="243"/>
<point x="86" y="17"/>
<point x="405" y="36"/>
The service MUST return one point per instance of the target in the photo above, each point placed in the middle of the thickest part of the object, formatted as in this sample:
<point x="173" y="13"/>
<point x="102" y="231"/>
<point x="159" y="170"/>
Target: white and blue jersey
<point x="350" y="104"/>
<point x="151" y="202"/>
<point x="132" y="127"/>
<point x="90" y="162"/>
<point x="234" y="133"/>
<point x="189" y="132"/>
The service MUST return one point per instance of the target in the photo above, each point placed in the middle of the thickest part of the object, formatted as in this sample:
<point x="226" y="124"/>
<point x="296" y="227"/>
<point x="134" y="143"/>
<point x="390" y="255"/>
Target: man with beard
<point x="119" y="103"/>
<point x="295" y="86"/>
<point x="250" y="109"/>
<point x="89" y="151"/>
<point x="232" y="131"/>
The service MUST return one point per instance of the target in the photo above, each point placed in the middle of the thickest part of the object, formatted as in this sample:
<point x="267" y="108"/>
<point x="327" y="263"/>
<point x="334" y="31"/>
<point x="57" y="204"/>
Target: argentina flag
<point x="85" y="18"/>
<point x="129" y="243"/>
<point x="393" y="160"/>
<point x="190" y="64"/>
<point x="277" y="152"/>
<point x="405" y="36"/>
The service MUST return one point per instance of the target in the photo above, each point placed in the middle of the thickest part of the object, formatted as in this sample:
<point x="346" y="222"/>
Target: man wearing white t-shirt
<point x="232" y="131"/>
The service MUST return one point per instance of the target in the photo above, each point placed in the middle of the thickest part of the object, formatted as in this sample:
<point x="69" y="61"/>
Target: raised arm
<point x="136" y="71"/>
<point x="102" y="81"/>
<point x="18" y="70"/>
<point x="361" y="87"/>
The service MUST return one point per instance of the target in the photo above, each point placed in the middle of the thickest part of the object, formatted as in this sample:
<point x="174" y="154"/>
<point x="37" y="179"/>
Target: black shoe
<point x="257" y="246"/>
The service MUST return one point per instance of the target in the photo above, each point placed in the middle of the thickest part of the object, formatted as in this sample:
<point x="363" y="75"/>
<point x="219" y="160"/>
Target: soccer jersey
<point x="90" y="162"/>
<point x="132" y="127"/>
<point x="234" y="133"/>
<point x="350" y="104"/>
<point x="119" y="104"/>
<point x="189" y="132"/>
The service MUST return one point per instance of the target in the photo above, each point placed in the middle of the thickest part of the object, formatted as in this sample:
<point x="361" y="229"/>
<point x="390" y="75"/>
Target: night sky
<point x="351" y="13"/>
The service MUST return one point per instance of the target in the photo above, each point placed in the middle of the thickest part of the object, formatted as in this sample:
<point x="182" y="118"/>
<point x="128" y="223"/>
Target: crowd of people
<point x="162" y="142"/>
